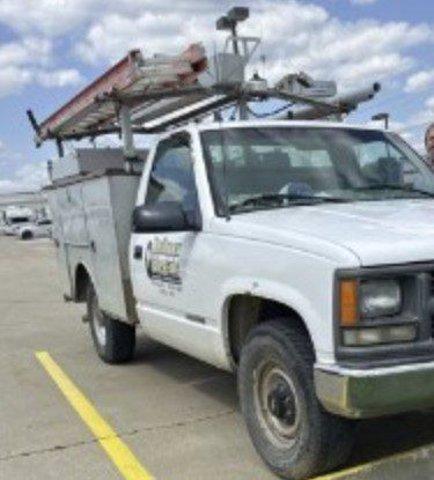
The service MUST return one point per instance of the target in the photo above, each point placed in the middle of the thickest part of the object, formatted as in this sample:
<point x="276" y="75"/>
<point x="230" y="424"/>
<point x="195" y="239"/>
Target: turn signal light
<point x="348" y="303"/>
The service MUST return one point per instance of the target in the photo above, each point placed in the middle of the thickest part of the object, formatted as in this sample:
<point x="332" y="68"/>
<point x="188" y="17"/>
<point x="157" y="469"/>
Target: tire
<point x="114" y="341"/>
<point x="289" y="428"/>
<point x="26" y="235"/>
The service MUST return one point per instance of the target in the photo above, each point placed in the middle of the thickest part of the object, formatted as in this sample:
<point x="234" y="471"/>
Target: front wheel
<point x="114" y="340"/>
<point x="289" y="428"/>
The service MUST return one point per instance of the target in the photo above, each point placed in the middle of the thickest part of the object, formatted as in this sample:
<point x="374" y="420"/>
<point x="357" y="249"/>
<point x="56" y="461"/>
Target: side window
<point x="172" y="176"/>
<point x="382" y="162"/>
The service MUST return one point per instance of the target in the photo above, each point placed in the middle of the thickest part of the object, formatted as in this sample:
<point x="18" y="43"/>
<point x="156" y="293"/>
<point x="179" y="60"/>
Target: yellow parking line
<point x="115" y="448"/>
<point x="124" y="459"/>
<point x="348" y="472"/>
<point x="413" y="454"/>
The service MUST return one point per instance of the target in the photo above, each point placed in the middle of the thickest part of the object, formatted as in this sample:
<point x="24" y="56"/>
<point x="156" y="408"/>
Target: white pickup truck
<point x="17" y="217"/>
<point x="40" y="228"/>
<point x="297" y="254"/>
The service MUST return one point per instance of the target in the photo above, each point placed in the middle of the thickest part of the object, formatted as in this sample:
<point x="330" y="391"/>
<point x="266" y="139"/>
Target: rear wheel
<point x="289" y="428"/>
<point x="114" y="340"/>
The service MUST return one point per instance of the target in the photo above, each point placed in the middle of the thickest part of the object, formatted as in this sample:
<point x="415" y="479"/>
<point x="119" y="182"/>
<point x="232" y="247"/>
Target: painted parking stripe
<point x="115" y="448"/>
<point x="419" y="453"/>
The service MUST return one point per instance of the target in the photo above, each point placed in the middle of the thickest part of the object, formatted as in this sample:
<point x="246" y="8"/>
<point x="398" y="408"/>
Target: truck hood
<point x="377" y="232"/>
<point x="19" y="226"/>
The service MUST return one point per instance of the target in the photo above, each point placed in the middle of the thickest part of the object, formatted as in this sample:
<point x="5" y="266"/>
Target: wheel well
<point x="82" y="280"/>
<point x="247" y="311"/>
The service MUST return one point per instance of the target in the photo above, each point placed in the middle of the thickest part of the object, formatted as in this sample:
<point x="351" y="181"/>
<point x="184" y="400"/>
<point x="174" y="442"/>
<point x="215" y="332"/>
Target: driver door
<point x="168" y="267"/>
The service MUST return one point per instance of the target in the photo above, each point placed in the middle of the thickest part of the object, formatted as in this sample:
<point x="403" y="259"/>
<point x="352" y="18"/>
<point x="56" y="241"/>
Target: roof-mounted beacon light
<point x="230" y="22"/>
<point x="234" y="16"/>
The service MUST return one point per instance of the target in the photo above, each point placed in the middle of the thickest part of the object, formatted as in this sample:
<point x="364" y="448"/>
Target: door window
<point x="172" y="176"/>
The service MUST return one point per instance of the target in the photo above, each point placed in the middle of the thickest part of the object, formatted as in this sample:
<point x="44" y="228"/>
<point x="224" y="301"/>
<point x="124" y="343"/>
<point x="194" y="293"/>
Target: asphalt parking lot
<point x="179" y="417"/>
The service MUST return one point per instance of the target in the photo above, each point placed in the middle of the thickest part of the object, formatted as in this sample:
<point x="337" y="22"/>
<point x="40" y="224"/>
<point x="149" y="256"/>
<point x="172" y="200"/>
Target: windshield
<point x="18" y="220"/>
<point x="269" y="167"/>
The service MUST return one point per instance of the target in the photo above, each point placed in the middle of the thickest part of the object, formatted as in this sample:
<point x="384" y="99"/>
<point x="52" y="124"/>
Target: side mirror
<point x="163" y="217"/>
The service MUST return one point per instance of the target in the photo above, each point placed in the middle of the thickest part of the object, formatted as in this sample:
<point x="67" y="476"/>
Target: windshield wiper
<point x="266" y="199"/>
<point x="401" y="188"/>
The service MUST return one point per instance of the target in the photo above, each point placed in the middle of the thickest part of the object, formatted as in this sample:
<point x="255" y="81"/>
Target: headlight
<point x="379" y="298"/>
<point x="372" y="312"/>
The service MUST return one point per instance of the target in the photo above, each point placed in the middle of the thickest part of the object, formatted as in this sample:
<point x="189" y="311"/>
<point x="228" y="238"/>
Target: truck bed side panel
<point x="109" y="202"/>
<point x="92" y="218"/>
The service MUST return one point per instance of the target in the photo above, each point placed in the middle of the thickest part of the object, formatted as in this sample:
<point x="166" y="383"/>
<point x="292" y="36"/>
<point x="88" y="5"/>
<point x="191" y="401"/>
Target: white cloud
<point x="58" y="17"/>
<point x="425" y="116"/>
<point x="111" y="38"/>
<point x="28" y="177"/>
<point x="29" y="50"/>
<point x="12" y="79"/>
<point x="166" y="30"/>
<point x="296" y="36"/>
<point x="28" y="61"/>
<point x="52" y="17"/>
<point x="420" y="81"/>
<point x="59" y="78"/>
<point x="354" y="52"/>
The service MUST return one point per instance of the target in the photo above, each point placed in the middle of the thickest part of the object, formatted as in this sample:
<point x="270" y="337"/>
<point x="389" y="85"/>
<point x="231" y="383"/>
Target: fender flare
<point x="267" y="290"/>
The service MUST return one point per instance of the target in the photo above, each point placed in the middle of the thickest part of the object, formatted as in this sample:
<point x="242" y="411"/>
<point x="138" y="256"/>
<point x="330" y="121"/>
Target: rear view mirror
<point x="162" y="217"/>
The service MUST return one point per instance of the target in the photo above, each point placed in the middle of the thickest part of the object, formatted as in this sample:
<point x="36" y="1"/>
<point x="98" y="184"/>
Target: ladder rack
<point x="132" y="81"/>
<point x="148" y="95"/>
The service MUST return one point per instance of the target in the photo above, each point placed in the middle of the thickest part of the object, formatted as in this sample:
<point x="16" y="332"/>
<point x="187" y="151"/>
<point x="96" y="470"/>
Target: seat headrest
<point x="390" y="170"/>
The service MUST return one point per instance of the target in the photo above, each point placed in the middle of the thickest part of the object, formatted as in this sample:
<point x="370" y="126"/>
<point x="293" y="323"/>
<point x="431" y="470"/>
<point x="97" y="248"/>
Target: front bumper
<point x="376" y="392"/>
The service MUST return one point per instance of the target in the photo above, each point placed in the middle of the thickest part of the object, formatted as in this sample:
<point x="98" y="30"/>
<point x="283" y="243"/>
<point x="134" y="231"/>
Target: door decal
<point x="162" y="260"/>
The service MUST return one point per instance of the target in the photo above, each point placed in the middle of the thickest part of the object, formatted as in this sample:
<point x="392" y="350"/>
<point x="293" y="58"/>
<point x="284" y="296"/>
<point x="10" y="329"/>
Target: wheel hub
<point x="276" y="404"/>
<point x="281" y="403"/>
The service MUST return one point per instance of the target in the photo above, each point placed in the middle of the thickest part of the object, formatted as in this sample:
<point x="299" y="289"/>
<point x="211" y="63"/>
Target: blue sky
<point x="49" y="49"/>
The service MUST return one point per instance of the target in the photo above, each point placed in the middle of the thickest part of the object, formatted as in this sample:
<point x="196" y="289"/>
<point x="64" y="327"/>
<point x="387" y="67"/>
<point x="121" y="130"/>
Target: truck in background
<point x="15" y="218"/>
<point x="40" y="228"/>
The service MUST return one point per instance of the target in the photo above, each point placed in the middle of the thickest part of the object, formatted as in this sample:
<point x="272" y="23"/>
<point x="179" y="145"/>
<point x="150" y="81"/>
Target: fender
<point x="273" y="291"/>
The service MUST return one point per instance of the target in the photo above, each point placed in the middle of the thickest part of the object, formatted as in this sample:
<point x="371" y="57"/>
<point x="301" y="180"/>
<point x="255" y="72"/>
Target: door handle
<point x="138" y="252"/>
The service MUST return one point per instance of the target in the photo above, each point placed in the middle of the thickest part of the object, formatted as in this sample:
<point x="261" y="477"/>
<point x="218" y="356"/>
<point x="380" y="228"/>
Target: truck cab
<point x="281" y="211"/>
<point x="252" y="237"/>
